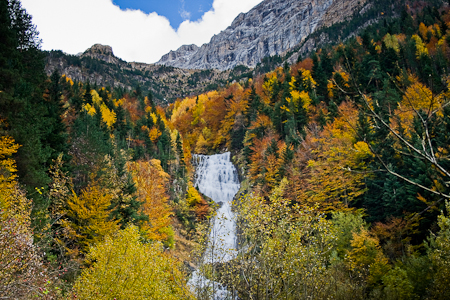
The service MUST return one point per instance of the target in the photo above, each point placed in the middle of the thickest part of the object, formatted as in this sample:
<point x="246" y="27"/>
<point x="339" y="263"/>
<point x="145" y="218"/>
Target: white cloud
<point x="75" y="25"/>
<point x="185" y="15"/>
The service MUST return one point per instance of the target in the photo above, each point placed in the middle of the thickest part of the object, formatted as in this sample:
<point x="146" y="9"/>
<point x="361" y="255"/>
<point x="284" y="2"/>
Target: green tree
<point x="439" y="253"/>
<point x="56" y="135"/>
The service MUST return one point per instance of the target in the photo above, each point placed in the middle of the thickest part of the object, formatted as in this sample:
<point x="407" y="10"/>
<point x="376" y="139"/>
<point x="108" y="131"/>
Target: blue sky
<point x="137" y="30"/>
<point x="176" y="11"/>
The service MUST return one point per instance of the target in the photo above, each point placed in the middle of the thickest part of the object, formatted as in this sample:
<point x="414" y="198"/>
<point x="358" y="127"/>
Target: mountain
<point x="257" y="42"/>
<point x="100" y="66"/>
<point x="271" y="28"/>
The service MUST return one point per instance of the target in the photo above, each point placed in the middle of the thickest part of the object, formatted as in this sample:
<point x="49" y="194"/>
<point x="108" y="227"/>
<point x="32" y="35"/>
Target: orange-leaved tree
<point x="152" y="183"/>
<point x="334" y="174"/>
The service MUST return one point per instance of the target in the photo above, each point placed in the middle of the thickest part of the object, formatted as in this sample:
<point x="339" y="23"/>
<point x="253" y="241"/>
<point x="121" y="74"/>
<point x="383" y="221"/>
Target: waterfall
<point x="217" y="178"/>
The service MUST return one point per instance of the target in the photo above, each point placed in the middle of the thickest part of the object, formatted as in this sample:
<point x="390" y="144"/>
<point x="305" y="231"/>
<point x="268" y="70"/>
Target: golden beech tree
<point x="298" y="172"/>
<point x="7" y="170"/>
<point x="367" y="258"/>
<point x="108" y="116"/>
<point x="88" y="218"/>
<point x="181" y="107"/>
<point x="89" y="109"/>
<point x="215" y="111"/>
<point x="152" y="182"/>
<point x="268" y="86"/>
<point x="417" y="98"/>
<point x="422" y="50"/>
<point x="123" y="267"/>
<point x="201" y="147"/>
<point x="237" y="106"/>
<point x="335" y="172"/>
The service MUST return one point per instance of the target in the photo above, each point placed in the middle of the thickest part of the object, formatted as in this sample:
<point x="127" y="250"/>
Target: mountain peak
<point x="101" y="52"/>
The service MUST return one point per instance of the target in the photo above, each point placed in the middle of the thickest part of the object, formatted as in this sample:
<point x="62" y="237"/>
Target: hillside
<point x="342" y="157"/>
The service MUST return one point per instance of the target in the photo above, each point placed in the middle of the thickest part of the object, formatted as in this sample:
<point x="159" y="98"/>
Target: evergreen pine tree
<point x="56" y="135"/>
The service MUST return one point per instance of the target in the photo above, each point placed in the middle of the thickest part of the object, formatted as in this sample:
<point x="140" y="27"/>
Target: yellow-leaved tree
<point x="108" y="116"/>
<point x="197" y="202"/>
<point x="88" y="218"/>
<point x="123" y="267"/>
<point x="336" y="174"/>
<point x="366" y="257"/>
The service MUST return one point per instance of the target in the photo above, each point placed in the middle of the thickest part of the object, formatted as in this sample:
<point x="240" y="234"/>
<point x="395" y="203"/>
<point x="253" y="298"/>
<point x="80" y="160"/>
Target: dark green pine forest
<point x="343" y="157"/>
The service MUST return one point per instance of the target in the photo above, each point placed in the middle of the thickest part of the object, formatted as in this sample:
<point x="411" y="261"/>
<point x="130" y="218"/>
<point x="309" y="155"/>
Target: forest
<point x="343" y="157"/>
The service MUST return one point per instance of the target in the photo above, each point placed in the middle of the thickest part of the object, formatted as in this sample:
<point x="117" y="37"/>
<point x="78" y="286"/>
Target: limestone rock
<point x="183" y="53"/>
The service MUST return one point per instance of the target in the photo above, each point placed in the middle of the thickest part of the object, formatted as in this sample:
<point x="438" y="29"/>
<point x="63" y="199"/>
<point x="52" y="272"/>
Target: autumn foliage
<point x="152" y="183"/>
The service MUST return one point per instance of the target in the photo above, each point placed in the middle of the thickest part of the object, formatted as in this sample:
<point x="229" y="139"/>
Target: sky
<point x="137" y="30"/>
<point x="176" y="11"/>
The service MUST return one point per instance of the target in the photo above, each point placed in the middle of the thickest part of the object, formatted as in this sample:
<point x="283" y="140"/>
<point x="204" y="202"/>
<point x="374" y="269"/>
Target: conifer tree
<point x="56" y="135"/>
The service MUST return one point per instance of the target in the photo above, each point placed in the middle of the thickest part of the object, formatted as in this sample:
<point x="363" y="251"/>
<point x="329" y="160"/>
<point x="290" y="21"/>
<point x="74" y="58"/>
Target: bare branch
<point x="424" y="155"/>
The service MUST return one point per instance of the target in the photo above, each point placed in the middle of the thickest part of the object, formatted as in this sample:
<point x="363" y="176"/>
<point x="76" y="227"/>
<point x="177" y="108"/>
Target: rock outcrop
<point x="183" y="54"/>
<point x="101" y="52"/>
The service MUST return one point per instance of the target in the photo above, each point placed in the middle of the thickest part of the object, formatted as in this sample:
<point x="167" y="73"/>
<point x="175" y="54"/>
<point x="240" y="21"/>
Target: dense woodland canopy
<point x="344" y="157"/>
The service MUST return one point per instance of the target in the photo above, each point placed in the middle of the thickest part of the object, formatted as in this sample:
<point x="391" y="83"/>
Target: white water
<point x="217" y="178"/>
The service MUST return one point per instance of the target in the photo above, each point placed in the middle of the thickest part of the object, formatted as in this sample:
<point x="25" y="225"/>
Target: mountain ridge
<point x="100" y="66"/>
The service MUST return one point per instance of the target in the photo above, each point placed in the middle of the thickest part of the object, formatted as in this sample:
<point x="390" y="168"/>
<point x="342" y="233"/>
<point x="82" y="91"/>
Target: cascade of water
<point x="217" y="178"/>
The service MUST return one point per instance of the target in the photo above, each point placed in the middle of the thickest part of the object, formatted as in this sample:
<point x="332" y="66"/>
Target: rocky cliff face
<point x="183" y="54"/>
<point x="272" y="27"/>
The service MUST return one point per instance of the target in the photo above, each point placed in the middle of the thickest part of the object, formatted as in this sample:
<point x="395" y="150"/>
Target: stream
<point x="217" y="178"/>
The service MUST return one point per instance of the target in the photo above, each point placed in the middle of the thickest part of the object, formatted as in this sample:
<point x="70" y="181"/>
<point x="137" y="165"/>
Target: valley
<point x="302" y="154"/>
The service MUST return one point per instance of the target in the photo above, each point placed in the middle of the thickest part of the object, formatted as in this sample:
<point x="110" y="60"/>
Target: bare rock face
<point x="101" y="52"/>
<point x="340" y="10"/>
<point x="271" y="28"/>
<point x="183" y="53"/>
